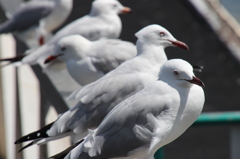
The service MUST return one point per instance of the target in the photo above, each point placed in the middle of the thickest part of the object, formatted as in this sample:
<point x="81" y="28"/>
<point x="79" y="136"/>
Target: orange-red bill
<point x="126" y="10"/>
<point x="196" y="81"/>
<point x="41" y="41"/>
<point x="50" y="58"/>
<point x="180" y="44"/>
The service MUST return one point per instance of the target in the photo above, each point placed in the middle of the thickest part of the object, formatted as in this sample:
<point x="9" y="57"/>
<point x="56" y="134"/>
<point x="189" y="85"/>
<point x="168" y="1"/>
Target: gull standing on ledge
<point x="97" y="99"/>
<point x="34" y="20"/>
<point x="87" y="61"/>
<point x="148" y="120"/>
<point x="102" y="22"/>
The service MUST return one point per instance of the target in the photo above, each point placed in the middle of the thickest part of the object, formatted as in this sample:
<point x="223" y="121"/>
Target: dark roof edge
<point x="221" y="22"/>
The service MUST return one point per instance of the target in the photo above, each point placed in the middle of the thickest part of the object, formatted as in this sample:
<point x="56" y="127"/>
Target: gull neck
<point x="153" y="52"/>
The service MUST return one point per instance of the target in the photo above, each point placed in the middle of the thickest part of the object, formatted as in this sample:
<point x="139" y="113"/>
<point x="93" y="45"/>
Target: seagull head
<point x="108" y="7"/>
<point x="179" y="72"/>
<point x="157" y="35"/>
<point x="70" y="47"/>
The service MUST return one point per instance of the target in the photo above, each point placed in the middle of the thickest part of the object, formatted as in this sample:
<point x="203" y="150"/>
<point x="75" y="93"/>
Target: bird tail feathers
<point x="6" y="27"/>
<point x="64" y="153"/>
<point x="13" y="60"/>
<point x="42" y="141"/>
<point x="28" y="145"/>
<point x="42" y="133"/>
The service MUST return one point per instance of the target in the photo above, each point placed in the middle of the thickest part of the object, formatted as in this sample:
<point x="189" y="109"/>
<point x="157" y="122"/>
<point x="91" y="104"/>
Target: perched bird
<point x="34" y="20"/>
<point x="148" y="120"/>
<point x="87" y="61"/>
<point x="98" y="98"/>
<point x="102" y="22"/>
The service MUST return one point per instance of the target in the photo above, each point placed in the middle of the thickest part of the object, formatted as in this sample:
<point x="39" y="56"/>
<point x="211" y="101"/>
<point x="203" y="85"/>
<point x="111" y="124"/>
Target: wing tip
<point x="24" y="147"/>
<point x="42" y="133"/>
<point x="64" y="153"/>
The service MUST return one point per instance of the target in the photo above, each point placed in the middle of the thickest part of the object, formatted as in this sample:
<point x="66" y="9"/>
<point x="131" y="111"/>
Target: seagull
<point x="148" y="120"/>
<point x="102" y="22"/>
<point x="87" y="60"/>
<point x="100" y="97"/>
<point x="34" y="20"/>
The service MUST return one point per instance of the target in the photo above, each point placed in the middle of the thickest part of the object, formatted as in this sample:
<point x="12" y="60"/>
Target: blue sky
<point x="233" y="6"/>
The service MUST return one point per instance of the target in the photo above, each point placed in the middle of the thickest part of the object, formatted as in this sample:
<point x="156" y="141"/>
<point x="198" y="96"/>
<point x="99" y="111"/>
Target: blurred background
<point x="211" y="30"/>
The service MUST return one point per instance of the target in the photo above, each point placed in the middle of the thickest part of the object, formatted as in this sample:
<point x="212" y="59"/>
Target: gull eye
<point x="176" y="73"/>
<point x="63" y="49"/>
<point x="162" y="34"/>
<point x="115" y="5"/>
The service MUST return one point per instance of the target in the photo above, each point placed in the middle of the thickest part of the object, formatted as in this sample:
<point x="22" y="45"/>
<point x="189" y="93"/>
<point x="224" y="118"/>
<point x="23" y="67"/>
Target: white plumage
<point x="87" y="61"/>
<point x="35" y="20"/>
<point x="104" y="13"/>
<point x="148" y="120"/>
<point x="98" y="98"/>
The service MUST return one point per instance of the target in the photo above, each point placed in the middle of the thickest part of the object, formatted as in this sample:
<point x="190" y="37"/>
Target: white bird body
<point x="148" y="120"/>
<point x="108" y="91"/>
<point x="98" y="98"/>
<point x="36" y="19"/>
<point x="61" y="12"/>
<point x="86" y="74"/>
<point x="108" y="26"/>
<point x="87" y="61"/>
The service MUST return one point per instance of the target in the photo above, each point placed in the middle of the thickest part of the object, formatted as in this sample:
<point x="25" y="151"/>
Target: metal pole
<point x="159" y="154"/>
<point x="218" y="118"/>
<point x="235" y="143"/>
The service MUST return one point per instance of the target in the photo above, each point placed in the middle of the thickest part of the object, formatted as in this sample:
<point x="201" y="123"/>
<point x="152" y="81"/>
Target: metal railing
<point x="219" y="118"/>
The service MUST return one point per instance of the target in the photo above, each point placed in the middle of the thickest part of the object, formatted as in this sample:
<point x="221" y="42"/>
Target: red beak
<point x="50" y="58"/>
<point x="126" y="10"/>
<point x="179" y="44"/>
<point x="196" y="81"/>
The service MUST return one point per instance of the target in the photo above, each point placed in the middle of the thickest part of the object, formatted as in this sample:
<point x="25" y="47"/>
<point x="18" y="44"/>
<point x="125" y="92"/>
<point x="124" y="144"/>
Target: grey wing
<point x="98" y="98"/>
<point x="27" y="16"/>
<point x="112" y="85"/>
<point x="128" y="126"/>
<point x="38" y="55"/>
<point x="85" y="26"/>
<point x="91" y="31"/>
<point x="112" y="53"/>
